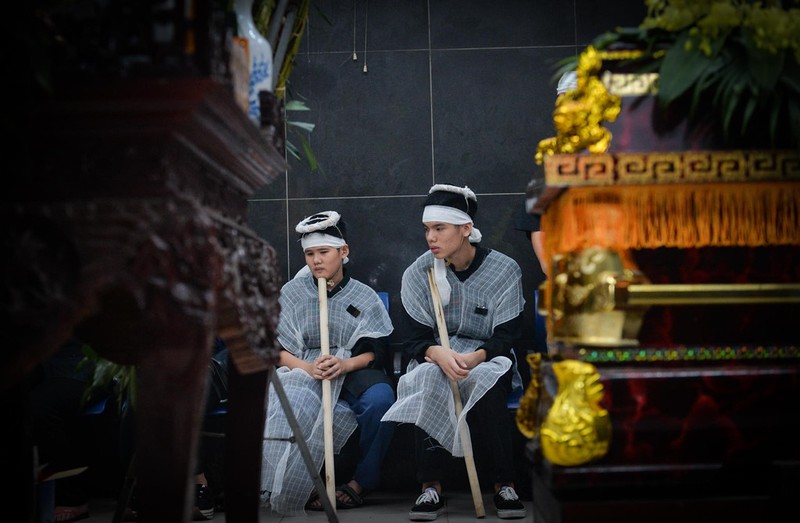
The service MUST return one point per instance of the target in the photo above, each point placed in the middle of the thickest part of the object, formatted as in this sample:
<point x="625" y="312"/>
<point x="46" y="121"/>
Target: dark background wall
<point x="456" y="92"/>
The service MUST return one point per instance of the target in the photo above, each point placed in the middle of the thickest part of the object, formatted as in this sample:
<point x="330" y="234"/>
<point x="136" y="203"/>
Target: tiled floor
<point x="386" y="507"/>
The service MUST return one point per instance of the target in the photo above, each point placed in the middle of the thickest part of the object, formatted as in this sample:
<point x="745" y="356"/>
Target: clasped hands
<point x="327" y="367"/>
<point x="455" y="365"/>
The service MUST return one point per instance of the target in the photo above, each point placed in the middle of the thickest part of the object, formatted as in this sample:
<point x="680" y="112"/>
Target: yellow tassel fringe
<point x="683" y="216"/>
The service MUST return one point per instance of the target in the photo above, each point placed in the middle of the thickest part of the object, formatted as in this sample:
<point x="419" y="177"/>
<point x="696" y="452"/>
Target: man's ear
<point x="467" y="228"/>
<point x="345" y="250"/>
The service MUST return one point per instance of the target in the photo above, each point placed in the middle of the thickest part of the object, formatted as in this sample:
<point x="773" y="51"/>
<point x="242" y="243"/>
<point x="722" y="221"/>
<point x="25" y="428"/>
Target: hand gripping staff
<point x="327" y="404"/>
<point x="466" y="442"/>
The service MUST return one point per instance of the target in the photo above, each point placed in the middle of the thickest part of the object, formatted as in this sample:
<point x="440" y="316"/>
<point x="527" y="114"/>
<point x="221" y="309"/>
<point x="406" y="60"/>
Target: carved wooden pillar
<point x="132" y="230"/>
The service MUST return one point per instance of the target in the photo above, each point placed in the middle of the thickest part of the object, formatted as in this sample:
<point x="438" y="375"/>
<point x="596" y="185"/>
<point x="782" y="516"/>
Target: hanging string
<point x="355" y="56"/>
<point x="366" y="13"/>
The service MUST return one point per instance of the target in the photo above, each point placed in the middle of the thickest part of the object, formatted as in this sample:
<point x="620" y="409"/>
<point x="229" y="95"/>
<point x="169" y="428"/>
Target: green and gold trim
<point x="687" y="354"/>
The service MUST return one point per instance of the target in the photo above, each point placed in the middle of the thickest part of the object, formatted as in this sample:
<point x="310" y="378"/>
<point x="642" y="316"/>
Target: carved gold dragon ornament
<point x="576" y="429"/>
<point x="580" y="113"/>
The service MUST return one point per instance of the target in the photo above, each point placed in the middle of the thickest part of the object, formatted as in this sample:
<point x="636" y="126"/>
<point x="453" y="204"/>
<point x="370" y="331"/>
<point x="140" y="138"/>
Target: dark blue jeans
<point x="375" y="436"/>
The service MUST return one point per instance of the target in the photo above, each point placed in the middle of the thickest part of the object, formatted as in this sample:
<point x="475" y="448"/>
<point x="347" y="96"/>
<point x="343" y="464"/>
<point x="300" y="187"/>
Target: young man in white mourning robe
<point x="481" y="294"/>
<point x="358" y="325"/>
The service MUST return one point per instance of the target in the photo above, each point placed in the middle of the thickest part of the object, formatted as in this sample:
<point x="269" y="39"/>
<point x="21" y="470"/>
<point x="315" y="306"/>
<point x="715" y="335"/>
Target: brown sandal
<point x="356" y="499"/>
<point x="69" y="514"/>
<point x="314" y="503"/>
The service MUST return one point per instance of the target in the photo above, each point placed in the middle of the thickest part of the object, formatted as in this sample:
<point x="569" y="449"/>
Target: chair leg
<point x="301" y="445"/>
<point x="126" y="491"/>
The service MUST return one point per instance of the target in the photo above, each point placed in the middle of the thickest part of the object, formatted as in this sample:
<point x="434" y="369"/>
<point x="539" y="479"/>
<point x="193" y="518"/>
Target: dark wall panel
<point x="506" y="23"/>
<point x="491" y="107"/>
<point x="456" y="91"/>
<point x="337" y="25"/>
<point x="268" y="220"/>
<point x="598" y="16"/>
<point x="369" y="127"/>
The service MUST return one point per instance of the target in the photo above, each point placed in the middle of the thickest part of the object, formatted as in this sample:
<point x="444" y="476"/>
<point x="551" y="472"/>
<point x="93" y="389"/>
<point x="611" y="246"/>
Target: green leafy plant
<point x="283" y="24"/>
<point x="105" y="375"/>
<point x="305" y="127"/>
<point x="740" y="58"/>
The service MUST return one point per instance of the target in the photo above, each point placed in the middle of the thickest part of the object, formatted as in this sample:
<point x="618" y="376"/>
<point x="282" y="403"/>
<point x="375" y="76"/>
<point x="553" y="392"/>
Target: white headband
<point x="446" y="214"/>
<point x="318" y="239"/>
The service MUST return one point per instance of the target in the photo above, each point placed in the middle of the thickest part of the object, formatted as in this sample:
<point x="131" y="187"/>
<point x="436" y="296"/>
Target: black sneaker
<point x="427" y="507"/>
<point x="203" y="504"/>
<point x="508" y="504"/>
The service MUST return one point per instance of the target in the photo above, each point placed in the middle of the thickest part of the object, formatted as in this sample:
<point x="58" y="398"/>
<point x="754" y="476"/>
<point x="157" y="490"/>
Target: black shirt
<point x="503" y="338"/>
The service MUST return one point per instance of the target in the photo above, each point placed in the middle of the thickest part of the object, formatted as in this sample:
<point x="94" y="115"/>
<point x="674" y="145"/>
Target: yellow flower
<point x="741" y="56"/>
<point x="774" y="29"/>
<point x="720" y="19"/>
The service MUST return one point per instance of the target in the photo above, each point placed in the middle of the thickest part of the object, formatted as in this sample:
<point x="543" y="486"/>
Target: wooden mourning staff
<point x="466" y="442"/>
<point x="327" y="404"/>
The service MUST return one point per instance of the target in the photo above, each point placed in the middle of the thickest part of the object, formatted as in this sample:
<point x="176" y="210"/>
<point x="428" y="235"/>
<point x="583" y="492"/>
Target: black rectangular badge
<point x="353" y="311"/>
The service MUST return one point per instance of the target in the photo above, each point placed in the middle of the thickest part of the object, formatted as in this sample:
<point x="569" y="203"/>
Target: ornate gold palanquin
<point x="621" y="207"/>
<point x="672" y="376"/>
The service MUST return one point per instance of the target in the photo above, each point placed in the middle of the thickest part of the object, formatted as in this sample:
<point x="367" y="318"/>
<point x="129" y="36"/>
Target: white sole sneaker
<point x="424" y="516"/>
<point x="202" y="515"/>
<point x="515" y="513"/>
